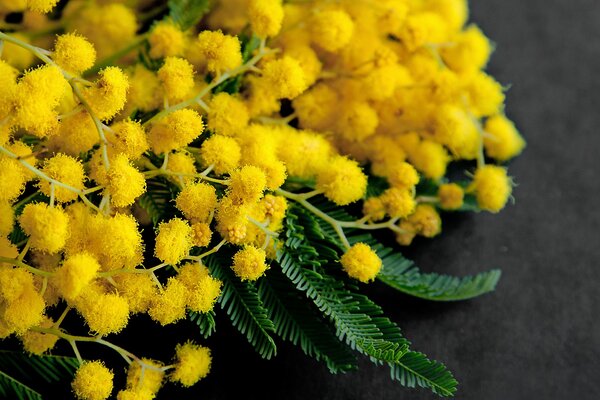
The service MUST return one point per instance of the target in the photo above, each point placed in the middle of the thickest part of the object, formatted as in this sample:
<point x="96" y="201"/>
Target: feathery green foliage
<point x="187" y="13"/>
<point x="244" y="307"/>
<point x="205" y="321"/>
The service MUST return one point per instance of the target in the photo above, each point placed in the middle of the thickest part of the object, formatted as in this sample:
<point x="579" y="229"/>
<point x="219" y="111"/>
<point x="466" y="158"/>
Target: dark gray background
<point x="538" y="335"/>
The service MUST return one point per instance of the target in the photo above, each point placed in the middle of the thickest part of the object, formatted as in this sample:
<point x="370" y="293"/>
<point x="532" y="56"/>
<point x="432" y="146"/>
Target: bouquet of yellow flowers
<point x="160" y="157"/>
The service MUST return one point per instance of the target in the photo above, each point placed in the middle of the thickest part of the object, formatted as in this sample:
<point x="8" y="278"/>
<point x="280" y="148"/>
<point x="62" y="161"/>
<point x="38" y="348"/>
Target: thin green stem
<point x="19" y="263"/>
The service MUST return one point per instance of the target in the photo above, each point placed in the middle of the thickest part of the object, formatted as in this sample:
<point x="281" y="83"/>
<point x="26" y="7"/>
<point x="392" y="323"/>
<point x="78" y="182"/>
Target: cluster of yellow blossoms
<point x="333" y="90"/>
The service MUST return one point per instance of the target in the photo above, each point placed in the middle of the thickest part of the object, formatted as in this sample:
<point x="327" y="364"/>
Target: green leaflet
<point x="296" y="321"/>
<point x="358" y="320"/>
<point x="17" y="366"/>
<point x="205" y="321"/>
<point x="157" y="200"/>
<point x="244" y="307"/>
<point x="187" y="13"/>
<point x="403" y="275"/>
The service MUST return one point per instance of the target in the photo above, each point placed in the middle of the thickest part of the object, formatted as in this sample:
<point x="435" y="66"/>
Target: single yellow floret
<point x="430" y="158"/>
<point x="249" y="263"/>
<point x="404" y="175"/>
<point x="492" y="187"/>
<point x="469" y="51"/>
<point x="107" y="97"/>
<point x="304" y="153"/>
<point x="451" y="196"/>
<point x="124" y="182"/>
<point x="222" y="152"/>
<point x="93" y="381"/>
<point x="41" y="6"/>
<point x="138" y="289"/>
<point x="425" y="221"/>
<point x="144" y="380"/>
<point x="192" y="363"/>
<point x="358" y="121"/>
<point x="173" y="241"/>
<point x="166" y="40"/>
<point x="197" y="202"/>
<point x="177" y="78"/>
<point x="203" y="289"/>
<point x="128" y="137"/>
<point x="47" y="227"/>
<point x="343" y="181"/>
<point x="247" y="184"/>
<point x="12" y="179"/>
<point x="266" y="17"/>
<point x="227" y="115"/>
<point x="284" y="77"/>
<point x="201" y="234"/>
<point x="178" y="129"/>
<point x="399" y="203"/>
<point x="64" y="169"/>
<point x="331" y="30"/>
<point x="215" y="52"/>
<point x="169" y="306"/>
<point x="501" y="140"/>
<point x="361" y="262"/>
<point x="75" y="274"/>
<point x="74" y="53"/>
<point x="38" y="342"/>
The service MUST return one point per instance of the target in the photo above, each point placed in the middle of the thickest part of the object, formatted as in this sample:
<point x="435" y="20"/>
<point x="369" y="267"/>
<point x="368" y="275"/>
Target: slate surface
<point x="538" y="336"/>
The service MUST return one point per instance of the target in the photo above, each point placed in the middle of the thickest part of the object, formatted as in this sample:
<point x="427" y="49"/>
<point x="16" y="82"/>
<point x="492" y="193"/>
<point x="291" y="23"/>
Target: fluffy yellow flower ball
<point x="247" y="185"/>
<point x="451" y="196"/>
<point x="492" y="187"/>
<point x="284" y="77"/>
<point x="266" y="17"/>
<point x="222" y="152"/>
<point x="12" y="179"/>
<point x="166" y="40"/>
<point x="331" y="29"/>
<point x="342" y="181"/>
<point x="138" y="289"/>
<point x="502" y="141"/>
<point x="128" y="137"/>
<point x="215" y="52"/>
<point x="37" y="342"/>
<point x="41" y="6"/>
<point x="169" y="306"/>
<point x="173" y="241"/>
<point x="249" y="263"/>
<point x="361" y="262"/>
<point x="47" y="227"/>
<point x="227" y="115"/>
<point x="74" y="53"/>
<point x="404" y="175"/>
<point x="7" y="218"/>
<point x="203" y="289"/>
<point x="192" y="364"/>
<point x="143" y="382"/>
<point x="103" y="312"/>
<point x="177" y="78"/>
<point x="93" y="381"/>
<point x="197" y="201"/>
<point x="178" y="129"/>
<point x="425" y="221"/>
<point x="124" y="182"/>
<point x="399" y="202"/>
<point x="107" y="97"/>
<point x="75" y="274"/>
<point x="64" y="169"/>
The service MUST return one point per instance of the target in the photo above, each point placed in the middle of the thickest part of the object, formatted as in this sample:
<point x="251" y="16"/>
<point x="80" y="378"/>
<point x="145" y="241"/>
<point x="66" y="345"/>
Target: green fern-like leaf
<point x="296" y="321"/>
<point x="244" y="307"/>
<point x="205" y="321"/>
<point x="157" y="199"/>
<point x="187" y="13"/>
<point x="415" y="369"/>
<point x="16" y="367"/>
<point x="402" y="274"/>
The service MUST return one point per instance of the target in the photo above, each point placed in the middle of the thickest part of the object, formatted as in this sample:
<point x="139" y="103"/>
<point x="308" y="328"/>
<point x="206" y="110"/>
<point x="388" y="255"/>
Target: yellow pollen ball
<point x="75" y="274"/>
<point x="399" y="203"/>
<point x="425" y="221"/>
<point x="138" y="289"/>
<point x="227" y="115"/>
<point x="93" y="381"/>
<point x="201" y="234"/>
<point x="197" y="201"/>
<point x="129" y="138"/>
<point x="173" y="241"/>
<point x="249" y="263"/>
<point x="451" y="196"/>
<point x="247" y="184"/>
<point x="284" y="77"/>
<point x="343" y="181"/>
<point x="177" y="78"/>
<point x="215" y="52"/>
<point x="109" y="94"/>
<point x="147" y="380"/>
<point x="7" y="218"/>
<point x="361" y="262"/>
<point x="124" y="182"/>
<point x="331" y="30"/>
<point x="501" y="140"/>
<point x="266" y="17"/>
<point x="404" y="175"/>
<point x="222" y="152"/>
<point x="169" y="306"/>
<point x="66" y="170"/>
<point x="47" y="227"/>
<point x="178" y="129"/>
<point x="104" y="312"/>
<point x="192" y="363"/>
<point x="203" y="289"/>
<point x="166" y="40"/>
<point x="492" y="187"/>
<point x="74" y="53"/>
